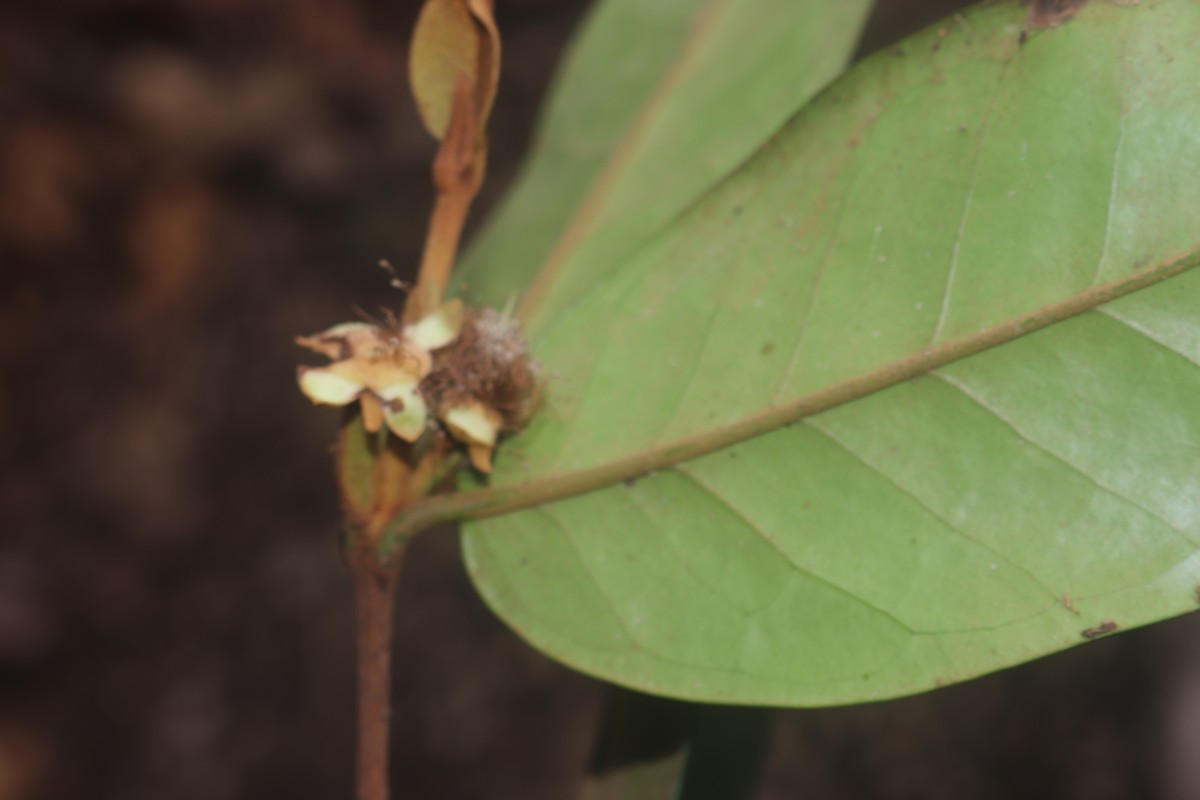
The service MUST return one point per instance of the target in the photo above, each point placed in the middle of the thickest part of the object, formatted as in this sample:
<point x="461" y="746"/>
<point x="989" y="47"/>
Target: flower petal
<point x="372" y="412"/>
<point x="321" y="385"/>
<point x="346" y="329"/>
<point x="473" y="423"/>
<point x="340" y="341"/>
<point x="404" y="389"/>
<point x="388" y="377"/>
<point x="481" y="457"/>
<point x="439" y="328"/>
<point x="406" y="416"/>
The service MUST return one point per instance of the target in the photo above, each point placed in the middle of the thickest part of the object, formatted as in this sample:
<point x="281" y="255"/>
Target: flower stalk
<point x="458" y="172"/>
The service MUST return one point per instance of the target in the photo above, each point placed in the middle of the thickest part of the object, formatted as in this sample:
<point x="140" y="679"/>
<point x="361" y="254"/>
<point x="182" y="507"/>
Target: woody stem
<point x="375" y="593"/>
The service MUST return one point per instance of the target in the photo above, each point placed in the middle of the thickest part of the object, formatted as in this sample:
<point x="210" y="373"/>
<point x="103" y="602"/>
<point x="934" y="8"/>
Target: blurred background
<point x="184" y="186"/>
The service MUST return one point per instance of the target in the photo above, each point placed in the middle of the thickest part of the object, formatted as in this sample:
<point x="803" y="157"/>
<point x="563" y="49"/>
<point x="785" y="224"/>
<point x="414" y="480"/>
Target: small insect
<point x="1100" y="630"/>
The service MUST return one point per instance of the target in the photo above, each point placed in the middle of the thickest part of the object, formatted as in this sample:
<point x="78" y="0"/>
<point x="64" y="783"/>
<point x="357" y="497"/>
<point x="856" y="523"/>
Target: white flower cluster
<point x="381" y="367"/>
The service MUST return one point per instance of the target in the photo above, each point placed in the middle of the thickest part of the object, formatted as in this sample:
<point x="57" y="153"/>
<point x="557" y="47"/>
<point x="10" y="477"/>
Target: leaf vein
<point x="812" y="424"/>
<point x="968" y="202"/>
<point x="1026" y="437"/>
<point x="599" y="587"/>
<point x="770" y="540"/>
<point x="694" y="371"/>
<point x="1114" y="179"/>
<point x="639" y="504"/>
<point x="826" y="257"/>
<point x="1145" y="334"/>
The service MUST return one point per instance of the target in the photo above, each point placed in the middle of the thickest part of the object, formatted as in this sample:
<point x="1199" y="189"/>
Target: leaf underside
<point x="978" y="247"/>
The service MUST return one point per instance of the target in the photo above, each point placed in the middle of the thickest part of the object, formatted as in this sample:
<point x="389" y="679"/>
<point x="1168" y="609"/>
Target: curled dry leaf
<point x="454" y="38"/>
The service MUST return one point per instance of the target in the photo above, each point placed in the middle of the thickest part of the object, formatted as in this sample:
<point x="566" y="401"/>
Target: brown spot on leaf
<point x="1051" y="13"/>
<point x="1102" y="629"/>
<point x="1068" y="605"/>
<point x="937" y="44"/>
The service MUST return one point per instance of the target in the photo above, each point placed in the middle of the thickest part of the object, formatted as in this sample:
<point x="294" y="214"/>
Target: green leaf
<point x="641" y="748"/>
<point x="652" y="748"/>
<point x="453" y="40"/>
<point x="917" y="386"/>
<point x="656" y="101"/>
<point x="357" y="452"/>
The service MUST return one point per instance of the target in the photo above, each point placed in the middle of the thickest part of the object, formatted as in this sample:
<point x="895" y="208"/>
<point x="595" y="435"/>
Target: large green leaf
<point x="918" y="385"/>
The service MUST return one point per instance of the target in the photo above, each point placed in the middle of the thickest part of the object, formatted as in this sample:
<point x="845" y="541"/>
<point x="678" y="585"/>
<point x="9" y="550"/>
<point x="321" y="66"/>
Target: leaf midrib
<point x="594" y="200"/>
<point x="480" y="503"/>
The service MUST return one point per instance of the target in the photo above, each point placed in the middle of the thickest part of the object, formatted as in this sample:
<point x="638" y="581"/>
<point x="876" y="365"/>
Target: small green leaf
<point x="453" y="38"/>
<point x="357" y="451"/>
<point x="919" y="383"/>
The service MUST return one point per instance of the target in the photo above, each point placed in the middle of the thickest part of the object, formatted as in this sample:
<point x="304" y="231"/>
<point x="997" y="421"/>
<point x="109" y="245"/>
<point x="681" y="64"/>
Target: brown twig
<point x="401" y="475"/>
<point x="375" y="592"/>
<point x="395" y="483"/>
<point x="458" y="173"/>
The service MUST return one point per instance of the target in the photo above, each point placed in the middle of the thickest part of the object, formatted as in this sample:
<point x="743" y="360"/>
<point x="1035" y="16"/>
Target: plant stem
<point x="375" y="592"/>
<point x="400" y="475"/>
<point x="441" y="246"/>
<point x="458" y="172"/>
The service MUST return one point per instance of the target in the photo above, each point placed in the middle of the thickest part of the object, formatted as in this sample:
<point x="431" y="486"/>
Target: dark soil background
<point x="184" y="186"/>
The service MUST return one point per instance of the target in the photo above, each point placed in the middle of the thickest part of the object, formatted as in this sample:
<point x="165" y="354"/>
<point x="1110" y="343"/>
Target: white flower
<point x="476" y="426"/>
<point x="381" y="367"/>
